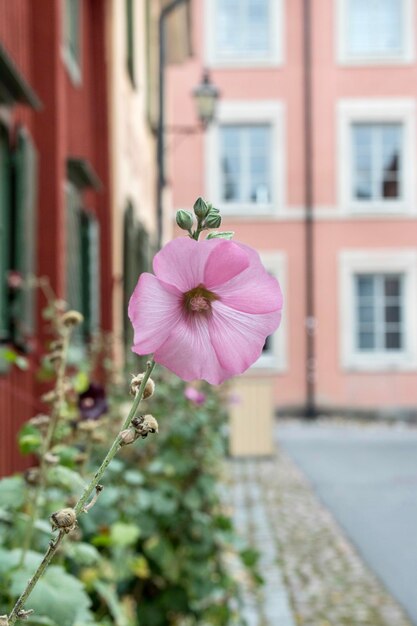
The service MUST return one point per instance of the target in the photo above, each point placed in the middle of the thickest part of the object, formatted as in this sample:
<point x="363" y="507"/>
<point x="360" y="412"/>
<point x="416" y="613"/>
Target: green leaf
<point x="109" y="596"/>
<point x="83" y="553"/>
<point x="57" y="595"/>
<point x="30" y="439"/>
<point x="12" y="492"/>
<point x="65" y="477"/>
<point x="8" y="355"/>
<point x="225" y="234"/>
<point x="124" y="534"/>
<point x="81" y="382"/>
<point x="22" y="363"/>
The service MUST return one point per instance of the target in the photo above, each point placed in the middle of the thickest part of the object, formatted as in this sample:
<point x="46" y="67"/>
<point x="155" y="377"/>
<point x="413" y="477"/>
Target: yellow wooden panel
<point x="252" y="417"/>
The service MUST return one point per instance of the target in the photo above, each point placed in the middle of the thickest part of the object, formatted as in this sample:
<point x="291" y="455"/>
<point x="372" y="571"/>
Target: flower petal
<point x="252" y="291"/>
<point x="238" y="337"/>
<point x="154" y="309"/>
<point x="224" y="263"/>
<point x="188" y="352"/>
<point x="181" y="262"/>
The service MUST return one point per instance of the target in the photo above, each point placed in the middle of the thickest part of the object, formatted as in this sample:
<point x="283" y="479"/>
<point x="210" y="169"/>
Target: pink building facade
<point x="317" y="113"/>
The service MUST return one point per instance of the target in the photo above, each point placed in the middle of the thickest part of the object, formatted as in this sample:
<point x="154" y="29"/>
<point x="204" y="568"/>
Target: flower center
<point x="198" y="300"/>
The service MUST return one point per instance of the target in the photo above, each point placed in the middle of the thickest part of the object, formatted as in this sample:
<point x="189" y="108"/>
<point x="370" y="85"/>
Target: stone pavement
<point x="313" y="575"/>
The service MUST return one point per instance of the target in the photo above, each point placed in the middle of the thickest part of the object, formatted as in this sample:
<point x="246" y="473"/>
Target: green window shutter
<point x="5" y="211"/>
<point x="130" y="39"/>
<point x="74" y="295"/>
<point x="24" y="233"/>
<point x="90" y="279"/>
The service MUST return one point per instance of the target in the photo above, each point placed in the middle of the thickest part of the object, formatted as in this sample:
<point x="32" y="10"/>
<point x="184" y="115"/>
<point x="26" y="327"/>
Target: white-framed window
<point x="376" y="156"/>
<point x="244" y="32"/>
<point x="378" y="309"/>
<point x="245" y="158"/>
<point x="274" y="354"/>
<point x="375" y="31"/>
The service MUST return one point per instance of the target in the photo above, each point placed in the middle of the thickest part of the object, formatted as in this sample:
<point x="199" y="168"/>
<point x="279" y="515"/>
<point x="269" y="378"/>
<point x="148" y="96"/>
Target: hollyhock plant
<point x="92" y="403"/>
<point x="194" y="395"/>
<point x="208" y="309"/>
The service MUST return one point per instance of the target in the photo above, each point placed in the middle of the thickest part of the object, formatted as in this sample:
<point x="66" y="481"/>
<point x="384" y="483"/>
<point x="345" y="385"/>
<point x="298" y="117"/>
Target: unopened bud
<point x="65" y="520"/>
<point x="213" y="220"/>
<point x="136" y="383"/>
<point x="184" y="219"/>
<point x="200" y="208"/>
<point x="72" y="318"/>
<point x="145" y="424"/>
<point x="128" y="436"/>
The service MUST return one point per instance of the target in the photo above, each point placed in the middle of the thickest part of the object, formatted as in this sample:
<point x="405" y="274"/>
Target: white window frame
<point x="374" y="111"/>
<point x="244" y="112"/>
<point x="213" y="58"/>
<point x="344" y="57"/>
<point x="275" y="360"/>
<point x="380" y="261"/>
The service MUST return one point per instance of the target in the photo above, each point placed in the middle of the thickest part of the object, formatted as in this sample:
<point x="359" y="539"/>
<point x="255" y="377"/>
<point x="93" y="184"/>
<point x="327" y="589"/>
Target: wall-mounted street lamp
<point x="206" y="95"/>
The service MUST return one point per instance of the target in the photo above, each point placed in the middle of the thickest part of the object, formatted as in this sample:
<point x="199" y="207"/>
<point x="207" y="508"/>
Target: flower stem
<point x="80" y="506"/>
<point x="47" y="443"/>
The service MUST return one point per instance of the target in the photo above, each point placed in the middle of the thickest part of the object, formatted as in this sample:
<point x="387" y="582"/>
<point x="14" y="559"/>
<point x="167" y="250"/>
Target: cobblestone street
<point x="313" y="575"/>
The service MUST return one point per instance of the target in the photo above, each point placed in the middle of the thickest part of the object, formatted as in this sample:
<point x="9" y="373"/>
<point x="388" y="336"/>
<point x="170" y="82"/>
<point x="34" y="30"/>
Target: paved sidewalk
<point x="313" y="575"/>
<point x="270" y="605"/>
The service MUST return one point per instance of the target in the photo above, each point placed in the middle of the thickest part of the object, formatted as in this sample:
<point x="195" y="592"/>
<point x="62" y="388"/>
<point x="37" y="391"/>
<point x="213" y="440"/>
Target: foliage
<point x="152" y="550"/>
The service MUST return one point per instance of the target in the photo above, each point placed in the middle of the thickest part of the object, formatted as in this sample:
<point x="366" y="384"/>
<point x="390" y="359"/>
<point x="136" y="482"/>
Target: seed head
<point x="72" y="318"/>
<point x="4" y="620"/>
<point x="41" y="421"/>
<point x="145" y="424"/>
<point x="136" y="383"/>
<point x="65" y="520"/>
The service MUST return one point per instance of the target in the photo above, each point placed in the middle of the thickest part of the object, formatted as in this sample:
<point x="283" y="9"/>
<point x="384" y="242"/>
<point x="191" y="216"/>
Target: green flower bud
<point x="200" y="208"/>
<point x="184" y="219"/>
<point x="212" y="209"/>
<point x="213" y="220"/>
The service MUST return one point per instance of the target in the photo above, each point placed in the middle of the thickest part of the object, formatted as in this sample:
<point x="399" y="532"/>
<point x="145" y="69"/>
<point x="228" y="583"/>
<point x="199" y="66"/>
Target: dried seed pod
<point x="31" y="475"/>
<point x="65" y="520"/>
<point x="51" y="459"/>
<point x="72" y="318"/>
<point x="57" y="344"/>
<point x="136" y="383"/>
<point x="41" y="421"/>
<point x="87" y="426"/>
<point x="145" y="424"/>
<point x="4" y="620"/>
<point x="56" y="357"/>
<point x="49" y="397"/>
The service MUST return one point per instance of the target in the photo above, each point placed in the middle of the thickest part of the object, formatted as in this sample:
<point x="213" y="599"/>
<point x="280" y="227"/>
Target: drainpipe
<point x="165" y="13"/>
<point x="310" y="320"/>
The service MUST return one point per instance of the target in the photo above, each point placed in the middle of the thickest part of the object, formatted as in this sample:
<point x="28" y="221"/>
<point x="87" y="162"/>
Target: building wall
<point x="72" y="122"/>
<point x="245" y="89"/>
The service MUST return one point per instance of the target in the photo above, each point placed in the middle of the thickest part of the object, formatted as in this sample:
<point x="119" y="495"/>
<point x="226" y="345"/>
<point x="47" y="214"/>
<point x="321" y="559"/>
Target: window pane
<point x="245" y="163"/>
<point x="392" y="285"/>
<point x="393" y="341"/>
<point x="375" y="27"/>
<point x="377" y="162"/>
<point x="365" y="285"/>
<point x="242" y="27"/>
<point x="366" y="341"/>
<point x="366" y="314"/>
<point x="392" y="314"/>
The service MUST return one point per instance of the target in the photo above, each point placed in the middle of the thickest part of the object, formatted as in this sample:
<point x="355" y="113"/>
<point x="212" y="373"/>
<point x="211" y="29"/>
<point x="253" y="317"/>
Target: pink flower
<point x="207" y="311"/>
<point x="194" y="395"/>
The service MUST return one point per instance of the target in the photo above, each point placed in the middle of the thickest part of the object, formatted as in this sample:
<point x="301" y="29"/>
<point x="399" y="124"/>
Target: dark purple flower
<point x="93" y="402"/>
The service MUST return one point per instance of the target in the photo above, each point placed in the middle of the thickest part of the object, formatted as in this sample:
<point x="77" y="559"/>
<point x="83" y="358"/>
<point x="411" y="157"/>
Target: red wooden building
<point x="54" y="182"/>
